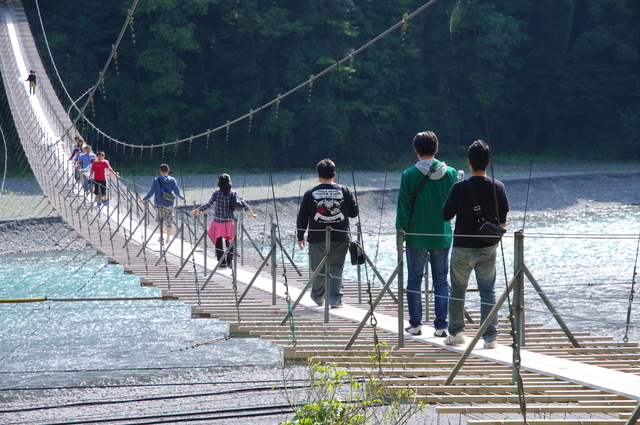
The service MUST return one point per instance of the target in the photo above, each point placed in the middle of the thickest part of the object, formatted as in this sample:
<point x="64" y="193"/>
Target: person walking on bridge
<point x="222" y="227"/>
<point x="75" y="153"/>
<point x="164" y="190"/>
<point x="326" y="205"/>
<point x="423" y="191"/>
<point x="468" y="198"/>
<point x="83" y="164"/>
<point x="32" y="82"/>
<point x="99" y="169"/>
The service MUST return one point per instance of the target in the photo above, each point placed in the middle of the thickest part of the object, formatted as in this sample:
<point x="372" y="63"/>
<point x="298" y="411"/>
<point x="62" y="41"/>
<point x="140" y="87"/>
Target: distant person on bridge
<point x="32" y="82"/>
<point x="221" y="229"/>
<point x="99" y="169"/>
<point x="472" y="253"/>
<point x="75" y="152"/>
<point x="423" y="191"/>
<point x="326" y="205"/>
<point x="77" y="148"/>
<point x="164" y="190"/>
<point x="83" y="163"/>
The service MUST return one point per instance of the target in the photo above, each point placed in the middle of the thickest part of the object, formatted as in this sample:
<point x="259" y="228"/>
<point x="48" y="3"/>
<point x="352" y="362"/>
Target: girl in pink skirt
<point x="221" y="228"/>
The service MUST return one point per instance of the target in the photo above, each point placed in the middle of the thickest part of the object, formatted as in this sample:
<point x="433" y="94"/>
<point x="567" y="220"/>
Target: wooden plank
<point x="531" y="409"/>
<point x="476" y="388"/>
<point x="548" y="422"/>
<point x="508" y="398"/>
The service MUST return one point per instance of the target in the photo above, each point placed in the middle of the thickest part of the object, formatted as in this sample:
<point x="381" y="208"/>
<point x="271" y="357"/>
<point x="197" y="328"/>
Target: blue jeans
<point x="483" y="262"/>
<point x="86" y="183"/>
<point x="416" y="263"/>
<point x="337" y="254"/>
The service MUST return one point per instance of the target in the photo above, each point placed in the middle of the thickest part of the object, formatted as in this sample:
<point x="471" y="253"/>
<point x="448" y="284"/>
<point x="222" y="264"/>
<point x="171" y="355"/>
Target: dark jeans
<point x="221" y="246"/>
<point x="416" y="264"/>
<point x="338" y="251"/>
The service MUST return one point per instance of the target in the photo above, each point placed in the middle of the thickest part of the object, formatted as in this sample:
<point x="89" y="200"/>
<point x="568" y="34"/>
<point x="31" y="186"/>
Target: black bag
<point x="490" y="232"/>
<point x="234" y="205"/>
<point x="356" y="252"/>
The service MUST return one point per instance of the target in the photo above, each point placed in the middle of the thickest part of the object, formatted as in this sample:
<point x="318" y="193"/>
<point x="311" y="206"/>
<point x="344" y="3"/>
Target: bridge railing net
<point x="46" y="133"/>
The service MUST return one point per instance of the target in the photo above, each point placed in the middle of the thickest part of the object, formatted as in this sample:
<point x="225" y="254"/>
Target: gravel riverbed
<point x="27" y="225"/>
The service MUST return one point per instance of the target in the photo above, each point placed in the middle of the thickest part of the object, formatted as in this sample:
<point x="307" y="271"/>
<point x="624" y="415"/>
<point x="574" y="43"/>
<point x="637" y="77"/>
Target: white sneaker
<point x="417" y="331"/>
<point x="442" y="333"/>
<point x="457" y="339"/>
<point x="491" y="344"/>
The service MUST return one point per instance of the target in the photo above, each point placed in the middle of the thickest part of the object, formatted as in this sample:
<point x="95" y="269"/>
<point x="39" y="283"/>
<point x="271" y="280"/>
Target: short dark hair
<point x="479" y="155"/>
<point x="326" y="169"/>
<point x="164" y="168"/>
<point x="224" y="183"/>
<point x="100" y="153"/>
<point x="425" y="143"/>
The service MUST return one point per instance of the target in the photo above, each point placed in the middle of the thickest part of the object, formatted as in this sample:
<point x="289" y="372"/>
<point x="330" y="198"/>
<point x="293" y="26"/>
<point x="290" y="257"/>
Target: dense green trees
<point x="553" y="76"/>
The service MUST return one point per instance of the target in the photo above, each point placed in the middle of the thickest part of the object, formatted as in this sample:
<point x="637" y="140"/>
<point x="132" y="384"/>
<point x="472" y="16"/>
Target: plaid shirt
<point x="222" y="213"/>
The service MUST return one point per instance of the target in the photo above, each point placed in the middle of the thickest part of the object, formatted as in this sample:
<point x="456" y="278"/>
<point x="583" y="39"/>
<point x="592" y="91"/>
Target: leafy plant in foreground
<point x="336" y="397"/>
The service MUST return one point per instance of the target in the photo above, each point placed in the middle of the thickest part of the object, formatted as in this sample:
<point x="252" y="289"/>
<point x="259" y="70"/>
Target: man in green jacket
<point x="423" y="190"/>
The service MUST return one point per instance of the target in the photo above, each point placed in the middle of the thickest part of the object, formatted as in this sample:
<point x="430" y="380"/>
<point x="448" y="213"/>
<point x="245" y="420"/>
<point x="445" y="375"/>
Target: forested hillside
<point x="555" y="77"/>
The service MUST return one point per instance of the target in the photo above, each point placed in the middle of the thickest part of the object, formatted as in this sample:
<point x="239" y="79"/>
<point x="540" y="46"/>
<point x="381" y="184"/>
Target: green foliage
<point x="553" y="76"/>
<point x="336" y="398"/>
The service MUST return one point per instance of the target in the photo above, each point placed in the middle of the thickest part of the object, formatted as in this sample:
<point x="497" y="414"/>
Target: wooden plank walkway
<point x="596" y="383"/>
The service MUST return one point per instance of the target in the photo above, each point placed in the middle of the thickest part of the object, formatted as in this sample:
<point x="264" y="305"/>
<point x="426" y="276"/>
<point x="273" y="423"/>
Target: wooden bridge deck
<point x="596" y="383"/>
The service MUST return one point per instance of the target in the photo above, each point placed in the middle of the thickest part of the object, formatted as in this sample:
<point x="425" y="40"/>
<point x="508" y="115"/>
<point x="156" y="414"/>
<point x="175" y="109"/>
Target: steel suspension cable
<point x="536" y="125"/>
<point x="10" y="352"/>
<point x="272" y="187"/>
<point x="53" y="62"/>
<point x="39" y="258"/>
<point x="104" y="69"/>
<point x="6" y="154"/>
<point x="191" y="236"/>
<point x="372" y="318"/>
<point x="202" y="69"/>
<point x="393" y="142"/>
<point x="632" y="292"/>
<point x="275" y="101"/>
<point x="517" y="360"/>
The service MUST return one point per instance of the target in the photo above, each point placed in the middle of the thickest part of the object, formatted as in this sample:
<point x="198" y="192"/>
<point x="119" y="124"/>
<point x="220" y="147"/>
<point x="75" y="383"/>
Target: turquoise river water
<point x="587" y="276"/>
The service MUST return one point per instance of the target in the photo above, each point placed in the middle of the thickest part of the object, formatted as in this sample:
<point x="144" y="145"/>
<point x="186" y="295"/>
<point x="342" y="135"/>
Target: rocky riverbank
<point x="25" y="228"/>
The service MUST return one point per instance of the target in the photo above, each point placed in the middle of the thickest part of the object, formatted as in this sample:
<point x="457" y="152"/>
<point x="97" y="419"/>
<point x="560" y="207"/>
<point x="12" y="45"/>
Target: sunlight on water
<point x="588" y="280"/>
<point x="584" y="274"/>
<point x="38" y="339"/>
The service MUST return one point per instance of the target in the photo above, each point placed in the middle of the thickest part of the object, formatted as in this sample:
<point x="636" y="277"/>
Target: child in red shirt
<point x="99" y="169"/>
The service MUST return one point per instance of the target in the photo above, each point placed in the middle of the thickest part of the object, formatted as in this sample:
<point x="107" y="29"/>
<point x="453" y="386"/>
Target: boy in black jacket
<point x="326" y="205"/>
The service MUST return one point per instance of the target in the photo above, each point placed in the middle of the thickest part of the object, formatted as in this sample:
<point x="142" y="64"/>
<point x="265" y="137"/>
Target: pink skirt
<point x="221" y="230"/>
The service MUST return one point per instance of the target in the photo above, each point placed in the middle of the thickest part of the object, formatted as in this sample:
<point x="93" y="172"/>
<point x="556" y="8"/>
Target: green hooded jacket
<point x="426" y="216"/>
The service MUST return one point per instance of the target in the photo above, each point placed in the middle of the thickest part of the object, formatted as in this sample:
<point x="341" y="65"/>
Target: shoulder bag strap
<point x="476" y="206"/>
<point x="414" y="195"/>
<point x="161" y="185"/>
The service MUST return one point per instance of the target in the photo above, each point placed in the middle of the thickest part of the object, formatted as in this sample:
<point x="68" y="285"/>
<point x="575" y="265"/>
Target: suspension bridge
<point x="558" y="377"/>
